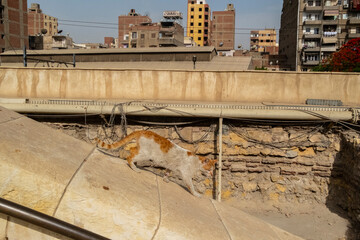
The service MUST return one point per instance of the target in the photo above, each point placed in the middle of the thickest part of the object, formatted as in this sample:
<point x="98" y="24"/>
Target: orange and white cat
<point x="164" y="153"/>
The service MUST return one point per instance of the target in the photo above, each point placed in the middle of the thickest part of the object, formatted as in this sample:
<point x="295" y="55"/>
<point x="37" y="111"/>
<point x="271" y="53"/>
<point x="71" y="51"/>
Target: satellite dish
<point x="44" y="31"/>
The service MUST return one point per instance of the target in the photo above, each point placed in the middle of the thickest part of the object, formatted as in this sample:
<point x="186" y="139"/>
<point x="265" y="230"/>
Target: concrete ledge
<point x="55" y="174"/>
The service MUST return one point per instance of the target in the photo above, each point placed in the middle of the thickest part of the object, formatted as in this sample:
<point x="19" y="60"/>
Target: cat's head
<point x="208" y="164"/>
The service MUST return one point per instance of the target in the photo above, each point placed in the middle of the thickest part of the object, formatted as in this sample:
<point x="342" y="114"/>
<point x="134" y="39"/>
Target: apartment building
<point x="40" y="23"/>
<point x="311" y="30"/>
<point x="13" y="25"/>
<point x="198" y="22"/>
<point x="223" y="29"/>
<point x="262" y="40"/>
<point x="126" y="22"/>
<point x="163" y="34"/>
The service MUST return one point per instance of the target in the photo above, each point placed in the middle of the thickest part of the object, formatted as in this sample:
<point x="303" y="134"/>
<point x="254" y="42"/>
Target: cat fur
<point x="164" y="153"/>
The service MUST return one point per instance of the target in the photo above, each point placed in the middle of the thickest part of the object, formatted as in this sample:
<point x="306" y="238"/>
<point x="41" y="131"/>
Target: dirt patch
<point x="309" y="221"/>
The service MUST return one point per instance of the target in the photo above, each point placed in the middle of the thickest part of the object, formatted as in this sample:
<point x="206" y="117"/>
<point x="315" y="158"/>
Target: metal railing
<point x="47" y="222"/>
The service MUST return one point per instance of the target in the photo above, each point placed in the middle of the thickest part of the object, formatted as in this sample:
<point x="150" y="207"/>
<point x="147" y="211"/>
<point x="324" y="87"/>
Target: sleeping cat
<point x="164" y="153"/>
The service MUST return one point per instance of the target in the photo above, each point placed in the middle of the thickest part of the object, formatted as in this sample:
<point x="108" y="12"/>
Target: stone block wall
<point x="281" y="164"/>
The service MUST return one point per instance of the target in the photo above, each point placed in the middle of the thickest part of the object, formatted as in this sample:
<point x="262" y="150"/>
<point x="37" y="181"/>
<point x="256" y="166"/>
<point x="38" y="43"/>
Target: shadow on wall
<point x="344" y="186"/>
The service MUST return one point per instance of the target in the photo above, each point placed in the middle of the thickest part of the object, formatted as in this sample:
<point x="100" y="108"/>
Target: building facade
<point x="163" y="34"/>
<point x="261" y="40"/>
<point x="40" y="23"/>
<point x="198" y="22"/>
<point x="223" y="29"/>
<point x="13" y="25"/>
<point x="312" y="30"/>
<point x="126" y="22"/>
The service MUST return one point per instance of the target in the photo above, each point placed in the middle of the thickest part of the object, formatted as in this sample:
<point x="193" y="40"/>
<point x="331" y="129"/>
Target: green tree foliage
<point x="347" y="59"/>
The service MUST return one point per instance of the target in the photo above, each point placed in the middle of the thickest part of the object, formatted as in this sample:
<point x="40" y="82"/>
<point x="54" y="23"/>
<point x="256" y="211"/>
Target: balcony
<point x="354" y="35"/>
<point x="311" y="36"/>
<point x="330" y="22"/>
<point x="336" y="7"/>
<point x="311" y="49"/>
<point x="313" y="8"/>
<point x="354" y="21"/>
<point x="312" y="22"/>
<point x="311" y="63"/>
<point x="328" y="49"/>
<point x="329" y="40"/>
<point x="167" y="41"/>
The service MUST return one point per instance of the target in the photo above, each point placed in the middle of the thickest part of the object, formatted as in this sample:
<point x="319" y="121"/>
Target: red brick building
<point x="223" y="29"/>
<point x="37" y="21"/>
<point x="13" y="25"/>
<point x="125" y="22"/>
<point x="109" y="42"/>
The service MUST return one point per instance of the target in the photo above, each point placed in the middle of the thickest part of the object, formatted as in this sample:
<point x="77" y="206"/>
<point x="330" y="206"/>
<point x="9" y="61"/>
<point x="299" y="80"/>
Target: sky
<point x="250" y="15"/>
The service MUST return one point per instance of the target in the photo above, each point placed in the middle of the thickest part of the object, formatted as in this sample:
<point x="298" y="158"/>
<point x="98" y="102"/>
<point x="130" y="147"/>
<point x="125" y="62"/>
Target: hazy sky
<point x="250" y="14"/>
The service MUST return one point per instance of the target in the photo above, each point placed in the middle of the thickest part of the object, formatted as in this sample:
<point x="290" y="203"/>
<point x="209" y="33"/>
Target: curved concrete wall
<point x="60" y="176"/>
<point x="208" y="86"/>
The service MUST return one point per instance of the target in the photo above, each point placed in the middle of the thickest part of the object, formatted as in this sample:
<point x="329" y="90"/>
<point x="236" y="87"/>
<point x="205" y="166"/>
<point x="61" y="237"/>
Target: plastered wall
<point x="209" y="86"/>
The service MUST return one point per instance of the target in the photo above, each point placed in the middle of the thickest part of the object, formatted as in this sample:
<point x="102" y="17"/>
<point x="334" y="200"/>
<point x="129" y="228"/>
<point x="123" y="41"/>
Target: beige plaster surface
<point x="179" y="85"/>
<point x="55" y="174"/>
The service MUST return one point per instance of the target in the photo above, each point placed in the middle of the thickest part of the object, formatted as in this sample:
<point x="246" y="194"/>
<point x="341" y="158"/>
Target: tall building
<point x="223" y="29"/>
<point x="38" y="22"/>
<point x="262" y="39"/>
<point x="125" y="22"/>
<point x="163" y="34"/>
<point x="13" y="25"/>
<point x="198" y="22"/>
<point x="311" y="30"/>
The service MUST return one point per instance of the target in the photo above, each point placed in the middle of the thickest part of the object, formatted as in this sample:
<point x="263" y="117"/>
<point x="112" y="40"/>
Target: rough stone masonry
<point x="292" y="164"/>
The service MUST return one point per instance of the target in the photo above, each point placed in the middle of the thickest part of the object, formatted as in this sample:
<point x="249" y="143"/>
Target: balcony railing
<point x="312" y="22"/>
<point x="311" y="35"/>
<point x="311" y="49"/>
<point x="311" y="62"/>
<point x="313" y="8"/>
<point x="354" y="21"/>
<point x="354" y="35"/>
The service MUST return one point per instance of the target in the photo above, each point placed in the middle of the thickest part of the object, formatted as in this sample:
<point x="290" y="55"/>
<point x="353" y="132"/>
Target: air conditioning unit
<point x="346" y="6"/>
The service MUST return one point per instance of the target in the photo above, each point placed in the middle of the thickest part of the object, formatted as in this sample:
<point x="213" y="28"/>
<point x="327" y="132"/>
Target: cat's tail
<point x="118" y="144"/>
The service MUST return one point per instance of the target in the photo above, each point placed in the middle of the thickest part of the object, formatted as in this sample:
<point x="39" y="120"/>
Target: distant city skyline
<point x="89" y="22"/>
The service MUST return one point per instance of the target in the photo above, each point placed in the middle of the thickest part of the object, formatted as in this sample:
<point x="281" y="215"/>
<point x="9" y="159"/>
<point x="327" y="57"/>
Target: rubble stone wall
<point x="285" y="164"/>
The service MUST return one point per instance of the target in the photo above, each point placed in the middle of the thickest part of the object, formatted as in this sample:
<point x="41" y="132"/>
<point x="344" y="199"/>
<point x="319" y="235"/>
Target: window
<point x="207" y="24"/>
<point x="191" y="31"/>
<point x="199" y="24"/>
<point x="206" y="9"/>
<point x="192" y="16"/>
<point x="200" y="16"/>
<point x="206" y="31"/>
<point x="200" y="9"/>
<point x="191" y="24"/>
<point x="199" y="31"/>
<point x="207" y="17"/>
<point x="308" y="30"/>
<point x="142" y="36"/>
<point x="345" y="16"/>
<point x="199" y="38"/>
<point x="310" y="3"/>
<point x="192" y="2"/>
<point x="153" y="35"/>
<point x="192" y="9"/>
<point x="134" y="35"/>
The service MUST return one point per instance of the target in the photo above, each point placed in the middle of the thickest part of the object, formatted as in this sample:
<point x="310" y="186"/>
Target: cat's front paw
<point x="196" y="194"/>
